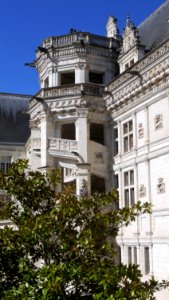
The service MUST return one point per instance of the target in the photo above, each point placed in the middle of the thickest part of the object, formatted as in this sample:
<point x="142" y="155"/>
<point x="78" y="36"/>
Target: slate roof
<point x="155" y="29"/>
<point x="14" y="123"/>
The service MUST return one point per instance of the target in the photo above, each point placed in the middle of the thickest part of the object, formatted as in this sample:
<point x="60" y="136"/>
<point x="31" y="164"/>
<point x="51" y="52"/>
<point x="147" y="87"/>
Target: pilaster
<point x="47" y="130"/>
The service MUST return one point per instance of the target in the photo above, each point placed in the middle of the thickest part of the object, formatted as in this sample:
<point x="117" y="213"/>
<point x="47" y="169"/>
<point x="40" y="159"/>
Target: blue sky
<point x="25" y="23"/>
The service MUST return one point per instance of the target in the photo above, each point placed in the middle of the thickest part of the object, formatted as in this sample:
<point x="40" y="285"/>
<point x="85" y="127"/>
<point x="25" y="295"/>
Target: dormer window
<point x="131" y="50"/>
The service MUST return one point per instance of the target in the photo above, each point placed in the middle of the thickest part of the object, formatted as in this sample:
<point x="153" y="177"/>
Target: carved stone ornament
<point x="83" y="190"/>
<point x="160" y="186"/>
<point x="158" y="121"/>
<point x="142" y="191"/>
<point x="81" y="65"/>
<point x="130" y="36"/>
<point x="140" y="131"/>
<point x="112" y="30"/>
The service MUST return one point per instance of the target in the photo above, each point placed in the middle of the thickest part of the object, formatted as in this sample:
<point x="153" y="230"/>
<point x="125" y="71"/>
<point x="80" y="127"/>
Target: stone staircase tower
<point x="68" y="117"/>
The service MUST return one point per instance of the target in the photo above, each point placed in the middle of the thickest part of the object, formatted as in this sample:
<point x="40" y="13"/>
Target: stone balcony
<point x="75" y="37"/>
<point x="63" y="148"/>
<point x="70" y="96"/>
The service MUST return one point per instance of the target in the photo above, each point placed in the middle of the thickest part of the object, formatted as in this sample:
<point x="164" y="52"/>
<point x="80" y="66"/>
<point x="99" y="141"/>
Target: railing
<point x="77" y="37"/>
<point x="68" y="90"/>
<point x="62" y="145"/>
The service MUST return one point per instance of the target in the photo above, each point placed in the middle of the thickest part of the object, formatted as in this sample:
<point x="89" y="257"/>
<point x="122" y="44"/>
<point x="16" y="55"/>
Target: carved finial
<point x="129" y="23"/>
<point x="112" y="30"/>
<point x="130" y="35"/>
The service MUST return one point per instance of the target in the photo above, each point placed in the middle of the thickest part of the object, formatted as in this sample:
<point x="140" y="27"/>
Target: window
<point x="115" y="141"/>
<point x="96" y="77"/>
<point x="128" y="136"/>
<point x="129" y="188"/>
<point x="5" y="162"/>
<point x="129" y="255"/>
<point x="132" y="255"/>
<point x="135" y="255"/>
<point x="97" y="133"/>
<point x="146" y="260"/>
<point x="67" y="78"/>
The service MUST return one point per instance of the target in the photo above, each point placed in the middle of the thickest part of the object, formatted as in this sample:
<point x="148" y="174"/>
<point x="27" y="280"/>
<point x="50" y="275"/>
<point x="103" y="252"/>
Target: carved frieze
<point x="63" y="145"/>
<point x="160" y="186"/>
<point x="140" y="131"/>
<point x="158" y="122"/>
<point x="81" y="66"/>
<point x="142" y="191"/>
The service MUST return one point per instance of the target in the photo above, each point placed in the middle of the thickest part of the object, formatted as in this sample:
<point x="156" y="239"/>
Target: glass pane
<point x="131" y="177"/>
<point x="147" y="260"/>
<point x="135" y="255"/>
<point x="126" y="144"/>
<point x="2" y="167"/>
<point x="115" y="133"/>
<point x="116" y="148"/>
<point x="126" y="178"/>
<point x="126" y="198"/>
<point x="129" y="255"/>
<point x="132" y="196"/>
<point x="116" y="181"/>
<point x="125" y="128"/>
<point x="131" y="126"/>
<point x="131" y="141"/>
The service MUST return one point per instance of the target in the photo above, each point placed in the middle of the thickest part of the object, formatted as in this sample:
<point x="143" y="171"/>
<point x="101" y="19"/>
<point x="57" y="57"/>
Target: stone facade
<point x="102" y="115"/>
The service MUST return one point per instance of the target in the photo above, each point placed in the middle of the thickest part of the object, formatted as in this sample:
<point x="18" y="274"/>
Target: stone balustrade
<point x="62" y="145"/>
<point x="67" y="90"/>
<point x="76" y="37"/>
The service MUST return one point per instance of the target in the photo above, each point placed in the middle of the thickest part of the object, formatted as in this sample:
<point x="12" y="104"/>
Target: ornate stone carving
<point x="83" y="190"/>
<point x="142" y="191"/>
<point x="81" y="66"/>
<point x="156" y="54"/>
<point x="158" y="122"/>
<point x="130" y="36"/>
<point x="140" y="131"/>
<point x="63" y="145"/>
<point x="112" y="30"/>
<point x="82" y="113"/>
<point x="160" y="186"/>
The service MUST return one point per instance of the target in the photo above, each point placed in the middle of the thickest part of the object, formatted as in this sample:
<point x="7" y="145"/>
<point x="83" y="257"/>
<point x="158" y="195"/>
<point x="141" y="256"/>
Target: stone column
<point x="83" y="167"/>
<point x="81" y="73"/>
<point x="35" y="144"/>
<point x="53" y="77"/>
<point x="47" y="130"/>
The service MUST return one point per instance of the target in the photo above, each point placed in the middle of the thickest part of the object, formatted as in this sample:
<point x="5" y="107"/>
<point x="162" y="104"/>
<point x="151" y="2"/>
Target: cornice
<point x="146" y="77"/>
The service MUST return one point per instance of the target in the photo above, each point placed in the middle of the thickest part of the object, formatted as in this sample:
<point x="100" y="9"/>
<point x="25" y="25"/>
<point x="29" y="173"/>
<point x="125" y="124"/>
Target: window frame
<point x="5" y="162"/>
<point x="128" y="188"/>
<point x="128" y="136"/>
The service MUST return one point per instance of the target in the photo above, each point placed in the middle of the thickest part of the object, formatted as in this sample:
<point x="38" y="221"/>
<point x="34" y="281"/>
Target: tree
<point x="63" y="247"/>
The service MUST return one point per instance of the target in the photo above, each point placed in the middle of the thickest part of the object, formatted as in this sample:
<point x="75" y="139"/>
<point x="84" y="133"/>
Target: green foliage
<point x="63" y="247"/>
